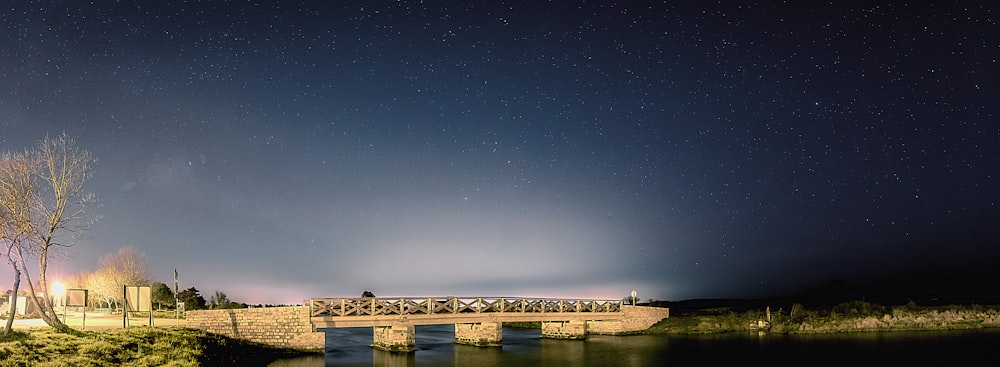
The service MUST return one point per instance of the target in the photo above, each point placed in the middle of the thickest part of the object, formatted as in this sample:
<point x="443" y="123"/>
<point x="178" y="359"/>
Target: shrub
<point x="100" y="350"/>
<point x="859" y="309"/>
<point x="798" y="314"/>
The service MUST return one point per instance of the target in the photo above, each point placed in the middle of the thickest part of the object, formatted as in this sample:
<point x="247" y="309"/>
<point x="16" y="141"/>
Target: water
<point x="525" y="348"/>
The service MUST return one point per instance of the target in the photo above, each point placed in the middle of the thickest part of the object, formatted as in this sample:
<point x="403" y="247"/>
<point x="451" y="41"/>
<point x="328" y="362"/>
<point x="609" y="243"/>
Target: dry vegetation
<point x="141" y="346"/>
<point x="855" y="316"/>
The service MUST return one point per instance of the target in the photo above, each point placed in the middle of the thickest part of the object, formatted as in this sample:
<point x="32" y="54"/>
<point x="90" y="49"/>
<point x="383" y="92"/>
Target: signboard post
<point x="138" y="299"/>
<point x="77" y="298"/>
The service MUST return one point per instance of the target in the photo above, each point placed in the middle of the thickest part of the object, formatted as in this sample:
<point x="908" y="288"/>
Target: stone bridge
<point x="478" y="320"/>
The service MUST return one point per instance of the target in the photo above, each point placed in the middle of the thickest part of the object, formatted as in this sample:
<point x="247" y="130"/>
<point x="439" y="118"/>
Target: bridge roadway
<point x="478" y="320"/>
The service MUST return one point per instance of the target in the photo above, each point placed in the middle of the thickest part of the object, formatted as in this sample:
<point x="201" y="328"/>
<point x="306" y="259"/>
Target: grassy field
<point x="137" y="346"/>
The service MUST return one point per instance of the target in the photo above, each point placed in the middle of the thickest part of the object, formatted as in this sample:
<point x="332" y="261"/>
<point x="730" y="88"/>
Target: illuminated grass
<point x="141" y="346"/>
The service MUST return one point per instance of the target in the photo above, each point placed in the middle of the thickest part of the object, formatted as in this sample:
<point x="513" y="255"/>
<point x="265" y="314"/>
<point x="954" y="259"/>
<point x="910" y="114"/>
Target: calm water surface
<point x="525" y="348"/>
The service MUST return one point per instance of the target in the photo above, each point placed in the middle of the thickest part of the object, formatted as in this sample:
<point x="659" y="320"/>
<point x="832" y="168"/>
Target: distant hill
<point x="950" y="289"/>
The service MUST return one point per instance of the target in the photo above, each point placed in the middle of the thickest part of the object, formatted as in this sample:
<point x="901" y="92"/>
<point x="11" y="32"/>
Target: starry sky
<point x="278" y="151"/>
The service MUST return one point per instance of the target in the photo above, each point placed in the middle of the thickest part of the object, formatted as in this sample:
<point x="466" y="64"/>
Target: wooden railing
<point x="399" y="306"/>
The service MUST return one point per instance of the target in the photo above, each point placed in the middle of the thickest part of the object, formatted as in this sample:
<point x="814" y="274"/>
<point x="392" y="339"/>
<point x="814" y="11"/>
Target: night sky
<point x="278" y="151"/>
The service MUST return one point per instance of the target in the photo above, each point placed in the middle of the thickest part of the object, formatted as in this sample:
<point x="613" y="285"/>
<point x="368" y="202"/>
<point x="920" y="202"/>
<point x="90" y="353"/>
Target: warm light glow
<point x="58" y="288"/>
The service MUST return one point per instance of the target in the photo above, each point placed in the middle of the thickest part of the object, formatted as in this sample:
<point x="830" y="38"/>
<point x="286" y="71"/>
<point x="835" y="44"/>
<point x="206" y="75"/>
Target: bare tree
<point x="54" y="211"/>
<point x="128" y="266"/>
<point x="103" y="290"/>
<point x="125" y="267"/>
<point x="17" y="191"/>
<point x="75" y="280"/>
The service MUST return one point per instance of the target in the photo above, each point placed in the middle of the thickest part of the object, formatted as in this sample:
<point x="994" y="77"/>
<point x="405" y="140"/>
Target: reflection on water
<point x="525" y="348"/>
<point x="300" y="362"/>
<point x="468" y="355"/>
<point x="380" y="358"/>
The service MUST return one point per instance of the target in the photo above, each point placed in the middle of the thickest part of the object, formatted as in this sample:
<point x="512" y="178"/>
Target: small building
<point x="24" y="306"/>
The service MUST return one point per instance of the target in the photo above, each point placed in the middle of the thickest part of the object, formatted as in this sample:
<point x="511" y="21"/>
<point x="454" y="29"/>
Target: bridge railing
<point x="398" y="306"/>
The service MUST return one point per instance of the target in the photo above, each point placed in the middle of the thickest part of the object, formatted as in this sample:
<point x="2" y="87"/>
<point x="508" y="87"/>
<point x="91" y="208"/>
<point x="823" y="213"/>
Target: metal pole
<point x="176" y="310"/>
<point x="150" y="307"/>
<point x="86" y="301"/>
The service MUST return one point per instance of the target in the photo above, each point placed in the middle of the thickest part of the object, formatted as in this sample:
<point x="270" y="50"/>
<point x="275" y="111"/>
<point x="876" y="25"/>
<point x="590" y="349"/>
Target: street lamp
<point x="59" y="290"/>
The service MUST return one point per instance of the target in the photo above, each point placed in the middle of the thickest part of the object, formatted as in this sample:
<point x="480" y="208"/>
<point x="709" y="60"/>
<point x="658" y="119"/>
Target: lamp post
<point x="177" y="310"/>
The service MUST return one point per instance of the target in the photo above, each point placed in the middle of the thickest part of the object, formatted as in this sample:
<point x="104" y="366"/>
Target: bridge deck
<point x="359" y="312"/>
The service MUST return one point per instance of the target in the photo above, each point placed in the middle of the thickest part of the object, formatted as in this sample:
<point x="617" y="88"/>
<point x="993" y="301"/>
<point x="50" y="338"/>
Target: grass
<point x="140" y="346"/>
<point x="704" y="324"/>
<point x="854" y="316"/>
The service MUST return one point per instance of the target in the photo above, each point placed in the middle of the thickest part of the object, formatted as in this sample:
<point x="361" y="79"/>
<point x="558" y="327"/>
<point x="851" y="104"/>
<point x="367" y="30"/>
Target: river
<point x="525" y="348"/>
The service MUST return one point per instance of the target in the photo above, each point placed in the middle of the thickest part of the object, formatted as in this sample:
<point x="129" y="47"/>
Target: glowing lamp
<point x="59" y="290"/>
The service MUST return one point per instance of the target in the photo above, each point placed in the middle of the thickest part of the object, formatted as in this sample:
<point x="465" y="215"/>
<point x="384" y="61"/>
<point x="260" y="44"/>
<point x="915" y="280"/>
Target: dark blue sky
<point x="281" y="151"/>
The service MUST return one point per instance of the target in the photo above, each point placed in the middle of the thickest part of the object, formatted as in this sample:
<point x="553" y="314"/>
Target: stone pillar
<point x="400" y="337"/>
<point x="483" y="334"/>
<point x="576" y="330"/>
<point x="287" y="327"/>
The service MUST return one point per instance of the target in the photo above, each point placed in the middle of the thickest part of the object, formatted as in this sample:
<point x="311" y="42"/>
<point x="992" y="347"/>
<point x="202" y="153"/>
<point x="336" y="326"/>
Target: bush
<point x="101" y="351"/>
<point x="859" y="309"/>
<point x="798" y="314"/>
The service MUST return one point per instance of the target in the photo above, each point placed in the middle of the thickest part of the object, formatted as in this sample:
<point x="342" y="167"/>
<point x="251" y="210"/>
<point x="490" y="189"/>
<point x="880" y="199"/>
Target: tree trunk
<point x="43" y="305"/>
<point x="46" y="298"/>
<point x="13" y="300"/>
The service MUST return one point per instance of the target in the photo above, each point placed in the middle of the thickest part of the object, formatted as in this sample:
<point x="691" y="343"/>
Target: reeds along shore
<point x="857" y="316"/>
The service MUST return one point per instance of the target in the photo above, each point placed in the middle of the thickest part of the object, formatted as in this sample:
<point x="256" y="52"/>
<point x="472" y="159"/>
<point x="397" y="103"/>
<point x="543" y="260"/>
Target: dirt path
<point x="96" y="321"/>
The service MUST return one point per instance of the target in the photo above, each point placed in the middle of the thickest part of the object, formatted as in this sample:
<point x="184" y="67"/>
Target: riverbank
<point x="856" y="316"/>
<point x="136" y="346"/>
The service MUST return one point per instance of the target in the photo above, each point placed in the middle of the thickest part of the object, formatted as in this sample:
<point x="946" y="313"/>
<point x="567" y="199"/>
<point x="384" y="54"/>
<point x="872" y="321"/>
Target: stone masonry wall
<point x="480" y="334"/>
<point x="278" y="326"/>
<point x="564" y="329"/>
<point x="400" y="337"/>
<point x="637" y="318"/>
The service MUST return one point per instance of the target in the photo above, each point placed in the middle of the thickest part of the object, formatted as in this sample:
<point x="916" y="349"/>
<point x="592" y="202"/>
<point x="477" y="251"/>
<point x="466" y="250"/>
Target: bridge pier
<point x="399" y="337"/>
<point x="482" y="334"/>
<point x="575" y="330"/>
